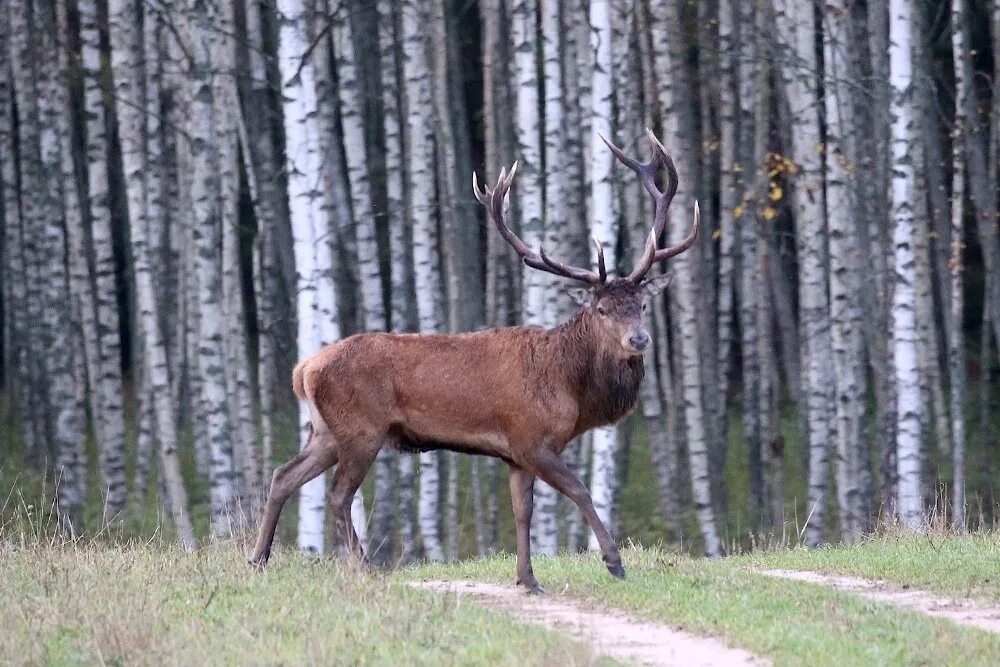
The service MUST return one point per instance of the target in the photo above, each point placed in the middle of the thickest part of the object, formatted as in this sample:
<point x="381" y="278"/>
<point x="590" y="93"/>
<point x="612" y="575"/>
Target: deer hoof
<point x="616" y="570"/>
<point x="536" y="590"/>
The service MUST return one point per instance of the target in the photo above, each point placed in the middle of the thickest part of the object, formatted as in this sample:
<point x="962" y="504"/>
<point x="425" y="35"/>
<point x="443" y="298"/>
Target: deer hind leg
<point x="347" y="478"/>
<point x="553" y="470"/>
<point x="318" y="455"/>
<point x="522" y="483"/>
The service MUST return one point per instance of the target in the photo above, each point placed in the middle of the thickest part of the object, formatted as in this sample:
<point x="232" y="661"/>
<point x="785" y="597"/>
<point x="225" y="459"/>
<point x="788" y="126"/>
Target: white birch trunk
<point x="66" y="409"/>
<point x="107" y="382"/>
<point x="402" y="299"/>
<point x="33" y="219"/>
<point x="953" y="330"/>
<point x="355" y="152"/>
<point x="141" y="190"/>
<point x="259" y="151"/>
<point x="544" y="522"/>
<point x="529" y="153"/>
<point x="730" y="197"/>
<point x="903" y="323"/>
<point x="798" y="65"/>
<point x="207" y="243"/>
<point x="845" y="284"/>
<point x="446" y="138"/>
<point x="315" y="296"/>
<point x="15" y="294"/>
<point x="243" y="426"/>
<point x="603" y="225"/>
<point x="673" y="107"/>
<point x="373" y="315"/>
<point x="426" y="259"/>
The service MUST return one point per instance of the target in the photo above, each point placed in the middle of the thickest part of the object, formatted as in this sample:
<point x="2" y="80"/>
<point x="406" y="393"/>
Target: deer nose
<point x="639" y="341"/>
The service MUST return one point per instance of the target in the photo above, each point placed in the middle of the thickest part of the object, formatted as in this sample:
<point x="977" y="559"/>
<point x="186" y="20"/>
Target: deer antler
<point x="647" y="172"/>
<point x="497" y="202"/>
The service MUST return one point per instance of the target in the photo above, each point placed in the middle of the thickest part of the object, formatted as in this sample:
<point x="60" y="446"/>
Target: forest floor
<point x="151" y="603"/>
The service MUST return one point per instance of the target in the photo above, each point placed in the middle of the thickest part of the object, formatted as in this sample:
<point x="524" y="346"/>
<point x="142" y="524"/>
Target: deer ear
<point x="657" y="284"/>
<point x="582" y="296"/>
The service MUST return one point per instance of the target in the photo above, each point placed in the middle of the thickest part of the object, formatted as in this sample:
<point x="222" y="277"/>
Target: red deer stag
<point x="519" y="394"/>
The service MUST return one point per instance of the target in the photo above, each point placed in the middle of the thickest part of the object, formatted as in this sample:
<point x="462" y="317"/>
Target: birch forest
<point x="195" y="195"/>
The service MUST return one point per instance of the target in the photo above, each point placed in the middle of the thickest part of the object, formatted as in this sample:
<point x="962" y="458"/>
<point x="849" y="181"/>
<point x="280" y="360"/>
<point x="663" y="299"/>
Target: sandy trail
<point x="607" y="633"/>
<point x="963" y="611"/>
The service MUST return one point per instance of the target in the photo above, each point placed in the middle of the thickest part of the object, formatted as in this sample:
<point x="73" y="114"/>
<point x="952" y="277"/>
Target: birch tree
<point x="402" y="297"/>
<point x="874" y="242"/>
<point x="845" y="286"/>
<point x="259" y="152"/>
<point x="126" y="62"/>
<point x="105" y="372"/>
<point x="17" y="372"/>
<point x="676" y="117"/>
<point x="956" y="301"/>
<point x="66" y="409"/>
<point x="35" y="211"/>
<point x="798" y="68"/>
<point x="603" y="228"/>
<point x="530" y="206"/>
<point x="243" y="426"/>
<point x="420" y="173"/>
<point x="206" y="229"/>
<point x="903" y="330"/>
<point x="315" y="296"/>
<point x="729" y="198"/>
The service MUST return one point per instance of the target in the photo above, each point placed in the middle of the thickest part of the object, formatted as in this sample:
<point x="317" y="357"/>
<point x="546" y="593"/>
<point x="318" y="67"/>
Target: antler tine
<point x="663" y="199"/>
<point x="483" y="195"/>
<point x="497" y="203"/>
<point x="668" y="163"/>
<point x="645" y="170"/>
<point x="601" y="269"/>
<point x="687" y="242"/>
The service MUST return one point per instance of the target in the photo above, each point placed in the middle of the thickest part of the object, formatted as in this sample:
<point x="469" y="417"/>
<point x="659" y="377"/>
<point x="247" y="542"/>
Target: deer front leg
<point x="348" y="476"/>
<point x="551" y="469"/>
<point x="522" y="484"/>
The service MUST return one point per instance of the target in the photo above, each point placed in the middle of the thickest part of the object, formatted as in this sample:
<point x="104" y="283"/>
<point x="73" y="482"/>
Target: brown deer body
<point x="519" y="394"/>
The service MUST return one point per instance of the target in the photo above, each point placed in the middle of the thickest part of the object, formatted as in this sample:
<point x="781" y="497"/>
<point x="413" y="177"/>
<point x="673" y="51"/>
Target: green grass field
<point x="151" y="603"/>
<point x="958" y="566"/>
<point x="791" y="623"/>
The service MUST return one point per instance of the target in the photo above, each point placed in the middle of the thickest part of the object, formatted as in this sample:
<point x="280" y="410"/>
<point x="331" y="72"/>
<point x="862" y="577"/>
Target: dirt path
<point x="607" y="633"/>
<point x="963" y="611"/>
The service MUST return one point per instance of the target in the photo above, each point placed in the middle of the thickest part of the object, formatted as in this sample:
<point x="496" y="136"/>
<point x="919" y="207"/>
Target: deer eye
<point x="645" y="306"/>
<point x="602" y="310"/>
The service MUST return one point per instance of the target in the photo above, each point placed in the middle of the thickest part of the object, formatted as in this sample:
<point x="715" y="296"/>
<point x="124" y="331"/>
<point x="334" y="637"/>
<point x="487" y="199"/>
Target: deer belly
<point x="424" y="431"/>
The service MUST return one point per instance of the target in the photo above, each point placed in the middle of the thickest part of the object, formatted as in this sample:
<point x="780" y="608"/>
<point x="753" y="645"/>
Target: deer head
<point x="617" y="306"/>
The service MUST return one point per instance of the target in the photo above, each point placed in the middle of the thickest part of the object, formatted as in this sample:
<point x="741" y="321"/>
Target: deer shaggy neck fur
<point x="605" y="381"/>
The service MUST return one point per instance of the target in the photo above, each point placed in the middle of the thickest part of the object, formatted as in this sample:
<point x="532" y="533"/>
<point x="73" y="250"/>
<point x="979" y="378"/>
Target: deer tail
<point x="298" y="381"/>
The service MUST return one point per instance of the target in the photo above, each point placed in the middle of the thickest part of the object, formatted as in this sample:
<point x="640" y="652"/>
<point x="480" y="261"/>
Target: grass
<point x="791" y="623"/>
<point x="156" y="604"/>
<point x="956" y="565"/>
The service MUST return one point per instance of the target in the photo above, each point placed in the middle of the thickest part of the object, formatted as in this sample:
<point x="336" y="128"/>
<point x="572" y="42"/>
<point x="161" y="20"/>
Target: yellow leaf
<point x="717" y="234"/>
<point x="776" y="193"/>
<point x="738" y="212"/>
<point x="769" y="213"/>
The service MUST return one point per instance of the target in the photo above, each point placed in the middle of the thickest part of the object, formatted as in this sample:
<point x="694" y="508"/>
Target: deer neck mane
<point x="606" y="383"/>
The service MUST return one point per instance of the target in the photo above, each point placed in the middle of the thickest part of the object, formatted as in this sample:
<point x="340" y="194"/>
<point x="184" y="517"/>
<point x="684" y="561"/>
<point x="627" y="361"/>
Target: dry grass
<point x="94" y="603"/>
